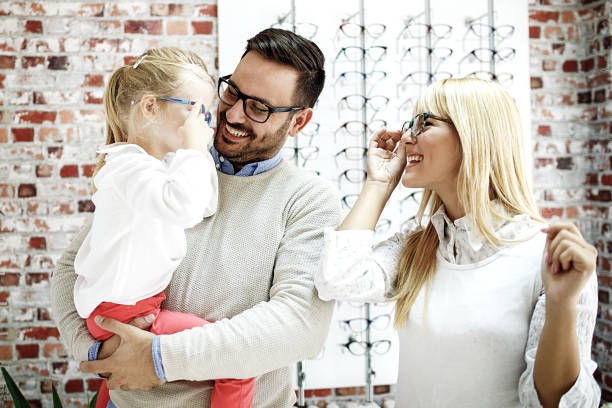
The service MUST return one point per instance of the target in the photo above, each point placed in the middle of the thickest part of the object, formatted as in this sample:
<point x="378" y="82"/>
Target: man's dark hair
<point x="286" y="47"/>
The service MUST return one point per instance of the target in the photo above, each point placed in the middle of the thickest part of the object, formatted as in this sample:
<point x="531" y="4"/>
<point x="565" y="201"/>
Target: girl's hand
<point x="567" y="264"/>
<point x="386" y="158"/>
<point x="195" y="131"/>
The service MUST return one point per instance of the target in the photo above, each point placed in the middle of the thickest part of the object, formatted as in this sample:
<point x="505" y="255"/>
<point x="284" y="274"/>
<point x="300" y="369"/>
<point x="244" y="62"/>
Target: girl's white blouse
<point x="474" y="343"/>
<point x="137" y="238"/>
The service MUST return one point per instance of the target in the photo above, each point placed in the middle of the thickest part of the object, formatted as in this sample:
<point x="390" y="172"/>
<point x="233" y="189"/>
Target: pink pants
<point x="226" y="392"/>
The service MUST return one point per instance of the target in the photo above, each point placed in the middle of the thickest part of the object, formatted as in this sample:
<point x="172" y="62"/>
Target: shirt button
<point x="221" y="159"/>
<point x="217" y="165"/>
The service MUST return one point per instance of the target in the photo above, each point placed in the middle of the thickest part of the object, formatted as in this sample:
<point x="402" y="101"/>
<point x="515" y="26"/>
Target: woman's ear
<point x="149" y="107"/>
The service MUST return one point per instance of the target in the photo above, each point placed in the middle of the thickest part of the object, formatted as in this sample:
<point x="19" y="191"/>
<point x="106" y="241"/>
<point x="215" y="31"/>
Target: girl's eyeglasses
<point x="360" y="324"/>
<point x="417" y="125"/>
<point x="359" y="348"/>
<point x="207" y="114"/>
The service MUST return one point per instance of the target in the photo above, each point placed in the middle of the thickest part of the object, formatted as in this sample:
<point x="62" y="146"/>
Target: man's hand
<point x="130" y="367"/>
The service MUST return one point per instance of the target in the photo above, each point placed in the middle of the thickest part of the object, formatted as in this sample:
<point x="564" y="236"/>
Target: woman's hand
<point x="568" y="263"/>
<point x="195" y="131"/>
<point x="386" y="158"/>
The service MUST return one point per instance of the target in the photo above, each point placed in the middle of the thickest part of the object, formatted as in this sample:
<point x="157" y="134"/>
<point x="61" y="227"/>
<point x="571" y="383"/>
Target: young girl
<point x="155" y="179"/>
<point x="494" y="309"/>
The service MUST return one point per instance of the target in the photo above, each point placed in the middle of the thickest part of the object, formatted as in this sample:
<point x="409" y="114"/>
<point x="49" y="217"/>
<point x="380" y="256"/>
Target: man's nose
<point x="235" y="113"/>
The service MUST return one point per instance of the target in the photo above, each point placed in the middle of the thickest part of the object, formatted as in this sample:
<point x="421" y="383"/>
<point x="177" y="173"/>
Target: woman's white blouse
<point x="354" y="269"/>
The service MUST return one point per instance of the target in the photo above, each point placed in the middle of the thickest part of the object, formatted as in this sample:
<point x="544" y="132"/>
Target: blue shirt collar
<point x="251" y="169"/>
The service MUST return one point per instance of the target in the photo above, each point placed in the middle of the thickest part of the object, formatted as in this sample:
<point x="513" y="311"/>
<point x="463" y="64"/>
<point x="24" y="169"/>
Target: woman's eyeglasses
<point x="485" y="30"/>
<point x="488" y="54"/>
<point x="353" y="30"/>
<point x="254" y="108"/>
<point x="421" y="52"/>
<point x="419" y="30"/>
<point x="354" y="54"/>
<point x="417" y="125"/>
<point x="358" y="102"/>
<point x="359" y="128"/>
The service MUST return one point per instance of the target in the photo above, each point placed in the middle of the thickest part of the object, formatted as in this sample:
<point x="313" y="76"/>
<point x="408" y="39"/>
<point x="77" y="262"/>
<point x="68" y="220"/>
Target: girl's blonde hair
<point x="156" y="72"/>
<point x="493" y="167"/>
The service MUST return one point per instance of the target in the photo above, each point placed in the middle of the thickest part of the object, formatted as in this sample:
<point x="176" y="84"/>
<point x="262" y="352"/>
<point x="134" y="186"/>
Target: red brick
<point x="551" y="212"/>
<point x="591" y="179"/>
<point x="23" y="134"/>
<point x="553" y="32"/>
<point x="9" y="279"/>
<point x="568" y="16"/>
<point x="69" y="170"/>
<point x="549" y="65"/>
<point x="544" y="16"/>
<point x="206" y="10"/>
<point x="38" y="333"/>
<point x="38" y="243"/>
<point x="7" y="191"/>
<point x="160" y="10"/>
<point x="6" y="352"/>
<point x="3" y="135"/>
<point x="142" y="27"/>
<point x="382" y="389"/>
<point x="322" y="392"/>
<point x="93" y="80"/>
<point x="26" y="190"/>
<point x="27" y="350"/>
<point x="43" y="314"/>
<point x="350" y="391"/>
<point x="570" y="66"/>
<point x="534" y="31"/>
<point x="176" y="27"/>
<point x="86" y="206"/>
<point x="88" y="170"/>
<point x="92" y="97"/>
<point x="602" y="62"/>
<point x="57" y="63"/>
<point x="2" y="78"/>
<point x="54" y="350"/>
<point x="34" y="278"/>
<point x="544" y="130"/>
<point x="7" y="61"/>
<point x="93" y="384"/>
<point x="202" y="27"/>
<point x="32" y="62"/>
<point x="34" y="26"/>
<point x="587" y="64"/>
<point x="44" y="170"/>
<point x="536" y="82"/>
<point x="35" y="117"/>
<point x="55" y="152"/>
<point x="74" y="386"/>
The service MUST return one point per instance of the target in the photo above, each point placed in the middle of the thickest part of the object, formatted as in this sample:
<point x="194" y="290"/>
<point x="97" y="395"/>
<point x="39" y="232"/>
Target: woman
<point x="493" y="307"/>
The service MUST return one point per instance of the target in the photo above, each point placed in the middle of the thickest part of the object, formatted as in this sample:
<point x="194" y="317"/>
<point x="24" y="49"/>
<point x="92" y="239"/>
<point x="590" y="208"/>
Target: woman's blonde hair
<point x="157" y="72"/>
<point x="493" y="167"/>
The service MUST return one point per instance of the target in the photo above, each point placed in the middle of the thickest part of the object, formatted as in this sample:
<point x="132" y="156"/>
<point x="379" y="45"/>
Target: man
<point x="249" y="268"/>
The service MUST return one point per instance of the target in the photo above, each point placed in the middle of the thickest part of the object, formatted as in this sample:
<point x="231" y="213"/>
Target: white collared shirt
<point x="137" y="239"/>
<point x="472" y="298"/>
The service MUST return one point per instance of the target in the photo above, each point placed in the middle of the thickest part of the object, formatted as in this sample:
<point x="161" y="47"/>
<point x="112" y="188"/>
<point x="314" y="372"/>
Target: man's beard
<point x="249" y="153"/>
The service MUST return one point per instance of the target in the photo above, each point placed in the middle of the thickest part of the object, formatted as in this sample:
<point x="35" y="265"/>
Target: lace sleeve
<point x="352" y="269"/>
<point x="585" y="391"/>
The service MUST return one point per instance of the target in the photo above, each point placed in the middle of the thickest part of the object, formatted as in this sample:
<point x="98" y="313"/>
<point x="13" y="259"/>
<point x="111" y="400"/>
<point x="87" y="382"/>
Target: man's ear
<point x="300" y="120"/>
<point x="149" y="108"/>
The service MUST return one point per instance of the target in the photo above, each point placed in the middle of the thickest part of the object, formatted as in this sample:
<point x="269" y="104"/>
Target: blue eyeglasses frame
<point x="207" y="114"/>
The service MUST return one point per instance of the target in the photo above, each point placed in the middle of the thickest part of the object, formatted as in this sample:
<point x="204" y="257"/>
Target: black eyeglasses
<point x="254" y="108"/>
<point x="421" y="51"/>
<point x="354" y="175"/>
<point x="417" y="125"/>
<point x="354" y="54"/>
<point x="359" y="348"/>
<point x="411" y="200"/>
<point x="305" y="153"/>
<point x="504" y="78"/>
<point x="307" y="30"/>
<point x="352" y="153"/>
<point x="360" y="324"/>
<point x="358" y="102"/>
<point x="349" y="200"/>
<point x="354" y="30"/>
<point x="488" y="54"/>
<point x="419" y="30"/>
<point x="382" y="226"/>
<point x="485" y="30"/>
<point x="352" y="77"/>
<point x="423" y="77"/>
<point x="358" y="128"/>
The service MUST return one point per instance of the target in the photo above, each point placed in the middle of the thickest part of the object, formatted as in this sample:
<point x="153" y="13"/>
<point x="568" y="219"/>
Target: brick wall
<point x="54" y="60"/>
<point x="572" y="128"/>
